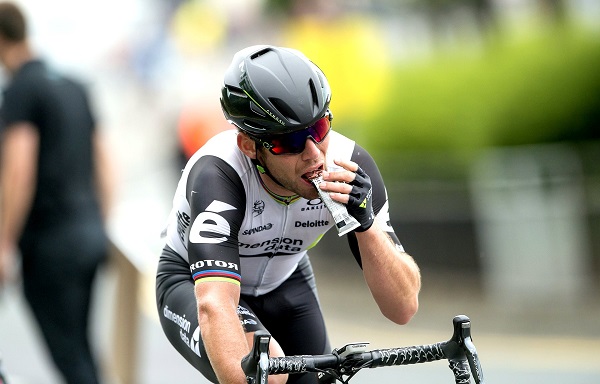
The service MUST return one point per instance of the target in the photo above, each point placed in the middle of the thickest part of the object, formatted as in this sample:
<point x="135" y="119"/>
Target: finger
<point x="335" y="187"/>
<point x="356" y="196"/>
<point x="340" y="197"/>
<point x="360" y="177"/>
<point x="346" y="164"/>
<point x="339" y="176"/>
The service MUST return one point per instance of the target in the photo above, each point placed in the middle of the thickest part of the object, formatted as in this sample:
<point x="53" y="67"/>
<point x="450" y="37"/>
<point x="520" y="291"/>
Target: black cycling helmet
<point x="271" y="90"/>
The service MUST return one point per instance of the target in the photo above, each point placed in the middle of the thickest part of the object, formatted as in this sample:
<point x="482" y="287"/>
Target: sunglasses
<point x="295" y="142"/>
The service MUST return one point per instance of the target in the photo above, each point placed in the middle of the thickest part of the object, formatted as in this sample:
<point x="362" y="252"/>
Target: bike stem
<point x="461" y="347"/>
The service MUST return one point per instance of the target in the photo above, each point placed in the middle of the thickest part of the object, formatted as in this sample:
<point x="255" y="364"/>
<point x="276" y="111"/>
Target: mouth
<point x="312" y="173"/>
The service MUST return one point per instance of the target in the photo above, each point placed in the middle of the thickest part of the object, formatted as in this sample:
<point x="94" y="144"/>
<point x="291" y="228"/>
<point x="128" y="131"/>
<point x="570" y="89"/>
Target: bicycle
<point x="343" y="363"/>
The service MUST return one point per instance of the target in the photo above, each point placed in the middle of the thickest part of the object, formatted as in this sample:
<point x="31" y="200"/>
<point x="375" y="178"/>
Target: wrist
<point x="364" y="227"/>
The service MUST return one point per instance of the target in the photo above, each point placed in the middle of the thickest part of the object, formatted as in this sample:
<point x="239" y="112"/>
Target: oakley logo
<point x="313" y="204"/>
<point x="208" y="225"/>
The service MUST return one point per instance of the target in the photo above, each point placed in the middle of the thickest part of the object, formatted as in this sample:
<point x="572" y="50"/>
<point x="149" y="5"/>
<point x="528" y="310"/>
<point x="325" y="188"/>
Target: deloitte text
<point x="311" y="224"/>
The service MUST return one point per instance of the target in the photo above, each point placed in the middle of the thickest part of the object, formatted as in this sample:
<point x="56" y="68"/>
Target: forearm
<point x="17" y="180"/>
<point x="223" y="338"/>
<point x="392" y="275"/>
<point x="104" y="172"/>
<point x="14" y="206"/>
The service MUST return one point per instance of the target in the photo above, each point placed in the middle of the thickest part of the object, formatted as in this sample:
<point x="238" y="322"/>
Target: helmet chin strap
<point x="264" y="170"/>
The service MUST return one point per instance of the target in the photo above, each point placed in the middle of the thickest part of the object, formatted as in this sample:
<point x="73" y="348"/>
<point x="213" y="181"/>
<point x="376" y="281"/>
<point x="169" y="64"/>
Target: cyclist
<point x="245" y="214"/>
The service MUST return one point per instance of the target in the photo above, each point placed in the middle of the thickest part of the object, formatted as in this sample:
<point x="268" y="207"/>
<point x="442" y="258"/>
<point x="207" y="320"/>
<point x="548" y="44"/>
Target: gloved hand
<point x="360" y="204"/>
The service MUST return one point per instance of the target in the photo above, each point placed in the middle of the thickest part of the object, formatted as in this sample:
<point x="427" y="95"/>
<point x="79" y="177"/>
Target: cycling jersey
<point x="228" y="227"/>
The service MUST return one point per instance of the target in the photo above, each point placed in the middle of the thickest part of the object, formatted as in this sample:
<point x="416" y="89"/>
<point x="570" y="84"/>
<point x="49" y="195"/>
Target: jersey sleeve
<point x="19" y="104"/>
<point x="217" y="204"/>
<point x="380" y="199"/>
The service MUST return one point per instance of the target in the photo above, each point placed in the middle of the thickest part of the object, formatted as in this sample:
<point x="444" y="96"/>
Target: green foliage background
<point x="541" y="88"/>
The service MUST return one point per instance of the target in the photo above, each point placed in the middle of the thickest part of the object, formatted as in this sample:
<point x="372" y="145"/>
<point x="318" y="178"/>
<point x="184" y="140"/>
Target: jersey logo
<point x="313" y="204"/>
<point x="258" y="208"/>
<point x="211" y="224"/>
<point x="195" y="342"/>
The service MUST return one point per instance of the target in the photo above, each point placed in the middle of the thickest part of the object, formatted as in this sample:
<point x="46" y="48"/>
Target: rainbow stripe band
<point x="217" y="275"/>
<point x="223" y="279"/>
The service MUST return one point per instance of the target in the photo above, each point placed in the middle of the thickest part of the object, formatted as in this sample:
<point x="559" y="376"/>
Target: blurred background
<point x="483" y="115"/>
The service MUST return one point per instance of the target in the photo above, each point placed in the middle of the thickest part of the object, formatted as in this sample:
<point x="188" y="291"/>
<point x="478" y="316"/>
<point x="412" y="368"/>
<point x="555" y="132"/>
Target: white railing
<point x="123" y="352"/>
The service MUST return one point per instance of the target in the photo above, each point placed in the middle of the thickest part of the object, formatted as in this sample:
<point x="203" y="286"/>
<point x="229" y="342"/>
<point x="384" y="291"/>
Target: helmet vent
<point x="236" y="91"/>
<point x="260" y="53"/>
<point x="315" y="96"/>
<point x="256" y="109"/>
<point x="254" y="125"/>
<point x="284" y="110"/>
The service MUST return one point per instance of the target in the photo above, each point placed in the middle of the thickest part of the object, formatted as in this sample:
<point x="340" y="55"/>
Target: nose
<point x="311" y="150"/>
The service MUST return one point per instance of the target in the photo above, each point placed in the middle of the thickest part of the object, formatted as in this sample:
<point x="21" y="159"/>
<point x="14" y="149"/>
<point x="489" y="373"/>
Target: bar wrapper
<point x="344" y="223"/>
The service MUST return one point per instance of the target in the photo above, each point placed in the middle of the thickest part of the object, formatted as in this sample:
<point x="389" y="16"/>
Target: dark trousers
<point x="291" y="313"/>
<point x="59" y="267"/>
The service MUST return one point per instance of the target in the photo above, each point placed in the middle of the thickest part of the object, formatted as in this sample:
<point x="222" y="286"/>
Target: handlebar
<point x="345" y="362"/>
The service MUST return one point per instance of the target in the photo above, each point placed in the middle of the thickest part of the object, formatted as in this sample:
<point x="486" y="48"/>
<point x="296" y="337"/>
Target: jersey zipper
<point x="283" y="226"/>
<point x="281" y="235"/>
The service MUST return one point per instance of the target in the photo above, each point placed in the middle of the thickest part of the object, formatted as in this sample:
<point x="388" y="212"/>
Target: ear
<point x="246" y="145"/>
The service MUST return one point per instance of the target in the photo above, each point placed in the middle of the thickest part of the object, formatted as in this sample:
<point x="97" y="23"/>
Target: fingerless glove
<point x="360" y="204"/>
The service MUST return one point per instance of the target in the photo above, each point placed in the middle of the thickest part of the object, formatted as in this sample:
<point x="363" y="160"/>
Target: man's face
<point x="291" y="170"/>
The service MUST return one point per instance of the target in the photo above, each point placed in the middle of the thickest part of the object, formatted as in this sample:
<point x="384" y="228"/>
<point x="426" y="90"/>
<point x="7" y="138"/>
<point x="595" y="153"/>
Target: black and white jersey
<point x="229" y="228"/>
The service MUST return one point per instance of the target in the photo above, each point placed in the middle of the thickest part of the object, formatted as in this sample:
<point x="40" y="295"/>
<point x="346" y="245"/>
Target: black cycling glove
<point x="360" y="204"/>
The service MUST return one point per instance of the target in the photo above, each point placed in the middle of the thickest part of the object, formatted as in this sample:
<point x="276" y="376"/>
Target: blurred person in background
<point x="245" y="214"/>
<point x="55" y="192"/>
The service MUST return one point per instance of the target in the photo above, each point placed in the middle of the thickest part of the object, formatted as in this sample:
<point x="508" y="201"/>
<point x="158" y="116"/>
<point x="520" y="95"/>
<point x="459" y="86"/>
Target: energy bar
<point x="344" y="223"/>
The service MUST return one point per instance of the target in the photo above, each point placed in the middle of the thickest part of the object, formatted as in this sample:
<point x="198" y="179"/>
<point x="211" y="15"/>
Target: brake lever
<point x="258" y="357"/>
